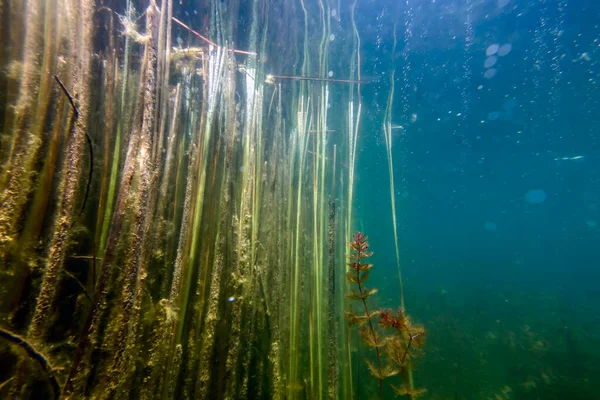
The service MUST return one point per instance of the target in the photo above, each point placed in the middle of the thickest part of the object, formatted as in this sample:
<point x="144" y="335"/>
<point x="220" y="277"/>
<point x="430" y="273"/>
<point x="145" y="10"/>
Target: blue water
<point x="497" y="189"/>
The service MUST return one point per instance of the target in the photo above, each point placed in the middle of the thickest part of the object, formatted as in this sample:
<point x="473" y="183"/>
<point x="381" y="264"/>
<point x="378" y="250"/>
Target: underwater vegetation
<point x="170" y="208"/>
<point x="394" y="351"/>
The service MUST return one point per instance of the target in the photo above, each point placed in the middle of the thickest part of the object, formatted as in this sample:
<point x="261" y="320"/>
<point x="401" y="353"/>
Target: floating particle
<point x="479" y="87"/>
<point x="535" y="196"/>
<point x="503" y="3"/>
<point x="334" y="13"/>
<point x="330" y="74"/>
<point x="490" y="73"/>
<point x="490" y="61"/>
<point x="332" y="37"/>
<point x="490" y="226"/>
<point x="504" y="49"/>
<point x="231" y="299"/>
<point x="492" y="49"/>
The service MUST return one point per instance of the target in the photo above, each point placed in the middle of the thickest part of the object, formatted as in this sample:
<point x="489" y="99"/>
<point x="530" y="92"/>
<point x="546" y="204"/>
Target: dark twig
<point x="33" y="353"/>
<point x="66" y="92"/>
<point x="87" y="137"/>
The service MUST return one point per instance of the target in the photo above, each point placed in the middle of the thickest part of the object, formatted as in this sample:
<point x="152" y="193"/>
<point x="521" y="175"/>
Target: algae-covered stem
<point x="332" y="368"/>
<point x="136" y="163"/>
<point x="15" y="174"/>
<point x="135" y="265"/>
<point x="71" y="170"/>
<point x="89" y="143"/>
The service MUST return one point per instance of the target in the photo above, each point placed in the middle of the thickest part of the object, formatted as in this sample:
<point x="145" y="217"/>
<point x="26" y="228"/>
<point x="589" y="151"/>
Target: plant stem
<point x="364" y="301"/>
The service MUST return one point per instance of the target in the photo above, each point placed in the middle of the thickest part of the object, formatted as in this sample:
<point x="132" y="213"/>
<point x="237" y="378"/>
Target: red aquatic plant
<point x="358" y="275"/>
<point x="404" y="344"/>
<point x="394" y="351"/>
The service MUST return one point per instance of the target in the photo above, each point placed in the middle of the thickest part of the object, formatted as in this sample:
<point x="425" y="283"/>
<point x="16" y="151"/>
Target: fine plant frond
<point x="396" y="350"/>
<point x="366" y="254"/>
<point x="351" y="276"/>
<point x="418" y="392"/>
<point x="374" y="370"/>
<point x="354" y="319"/>
<point x="404" y="391"/>
<point x="364" y="277"/>
<point x="359" y="266"/>
<point x="371" y="338"/>
<point x="354" y="295"/>
<point x="365" y="267"/>
<point x="382" y="373"/>
<point x="130" y="28"/>
<point x="388" y="371"/>
<point x="418" y="335"/>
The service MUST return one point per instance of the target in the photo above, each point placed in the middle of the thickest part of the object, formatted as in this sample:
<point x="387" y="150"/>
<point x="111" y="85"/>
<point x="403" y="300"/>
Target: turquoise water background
<point x="496" y="187"/>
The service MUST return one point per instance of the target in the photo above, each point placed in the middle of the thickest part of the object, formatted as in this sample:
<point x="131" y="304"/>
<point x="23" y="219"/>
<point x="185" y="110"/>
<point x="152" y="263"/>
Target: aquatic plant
<point x="394" y="351"/>
<point x="212" y="192"/>
<point x="387" y="133"/>
<point x="405" y="344"/>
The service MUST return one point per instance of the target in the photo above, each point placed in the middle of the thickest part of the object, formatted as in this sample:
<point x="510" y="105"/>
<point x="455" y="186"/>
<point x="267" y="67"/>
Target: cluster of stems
<point x="209" y="224"/>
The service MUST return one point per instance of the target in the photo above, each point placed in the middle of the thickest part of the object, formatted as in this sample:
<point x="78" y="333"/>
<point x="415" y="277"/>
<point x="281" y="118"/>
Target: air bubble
<point x="490" y="61"/>
<point x="492" y="49"/>
<point x="504" y="50"/>
<point x="490" y="73"/>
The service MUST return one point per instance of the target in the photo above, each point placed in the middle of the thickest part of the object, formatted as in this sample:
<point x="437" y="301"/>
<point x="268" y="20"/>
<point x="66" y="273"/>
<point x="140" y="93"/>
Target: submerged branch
<point x="271" y="79"/>
<point x="33" y="353"/>
<point x="89" y="143"/>
<point x="207" y="40"/>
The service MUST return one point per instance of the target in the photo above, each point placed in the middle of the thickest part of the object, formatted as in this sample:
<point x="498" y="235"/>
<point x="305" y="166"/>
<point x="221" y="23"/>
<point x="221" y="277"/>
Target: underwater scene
<point x="299" y="199"/>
